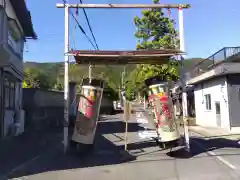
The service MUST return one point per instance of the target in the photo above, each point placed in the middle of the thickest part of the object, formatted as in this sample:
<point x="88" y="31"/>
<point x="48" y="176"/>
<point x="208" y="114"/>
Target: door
<point x="1" y="105"/>
<point x="1" y="116"/>
<point x="218" y="113"/>
<point x="234" y="105"/>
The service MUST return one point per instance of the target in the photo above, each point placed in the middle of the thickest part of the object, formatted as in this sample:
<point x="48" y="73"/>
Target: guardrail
<point x="223" y="54"/>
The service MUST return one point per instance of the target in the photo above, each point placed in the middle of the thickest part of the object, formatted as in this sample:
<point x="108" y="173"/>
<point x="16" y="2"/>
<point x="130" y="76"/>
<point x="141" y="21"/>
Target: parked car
<point x="106" y="104"/>
<point x="117" y="105"/>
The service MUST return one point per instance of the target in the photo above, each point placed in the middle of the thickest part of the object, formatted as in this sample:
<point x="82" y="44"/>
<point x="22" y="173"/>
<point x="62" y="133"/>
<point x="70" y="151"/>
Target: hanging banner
<point x="165" y="122"/>
<point x="87" y="115"/>
<point x="166" y="127"/>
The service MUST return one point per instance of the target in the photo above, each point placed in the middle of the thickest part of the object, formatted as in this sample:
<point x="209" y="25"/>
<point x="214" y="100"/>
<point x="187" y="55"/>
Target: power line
<point x="80" y="27"/>
<point x="90" y="28"/>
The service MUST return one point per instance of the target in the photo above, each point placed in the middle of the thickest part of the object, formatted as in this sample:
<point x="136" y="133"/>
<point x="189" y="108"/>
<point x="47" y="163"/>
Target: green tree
<point x="30" y="80"/>
<point x="155" y="31"/>
<point x="35" y="78"/>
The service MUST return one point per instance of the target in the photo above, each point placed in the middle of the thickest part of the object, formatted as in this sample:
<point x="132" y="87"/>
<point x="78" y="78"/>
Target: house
<point x="217" y="90"/>
<point x="15" y="28"/>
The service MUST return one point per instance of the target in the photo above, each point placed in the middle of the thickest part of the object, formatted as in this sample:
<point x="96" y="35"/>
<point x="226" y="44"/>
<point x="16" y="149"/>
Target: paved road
<point x="225" y="150"/>
<point x="147" y="162"/>
<point x="16" y="151"/>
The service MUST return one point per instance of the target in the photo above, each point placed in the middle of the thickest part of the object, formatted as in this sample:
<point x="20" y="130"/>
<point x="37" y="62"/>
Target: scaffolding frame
<point x="67" y="6"/>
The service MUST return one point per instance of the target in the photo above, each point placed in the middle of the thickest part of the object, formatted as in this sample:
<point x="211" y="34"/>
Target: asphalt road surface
<point x="145" y="161"/>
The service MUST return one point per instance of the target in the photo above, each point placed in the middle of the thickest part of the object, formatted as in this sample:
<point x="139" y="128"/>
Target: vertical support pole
<point x="90" y="72"/>
<point x="127" y="114"/>
<point x="123" y="76"/>
<point x="123" y="88"/>
<point x="182" y="48"/>
<point x="122" y="80"/>
<point x="181" y="30"/>
<point x="66" y="83"/>
<point x="126" y="125"/>
<point x="144" y="102"/>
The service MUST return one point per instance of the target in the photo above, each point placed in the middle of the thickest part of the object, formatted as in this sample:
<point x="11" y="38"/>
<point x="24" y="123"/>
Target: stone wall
<point x="43" y="109"/>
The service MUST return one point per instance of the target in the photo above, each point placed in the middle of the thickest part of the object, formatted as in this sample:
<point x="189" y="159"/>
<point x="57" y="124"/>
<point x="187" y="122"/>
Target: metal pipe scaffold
<point x="168" y="6"/>
<point x="66" y="82"/>
<point x="90" y="71"/>
<point x="184" y="95"/>
<point x="67" y="7"/>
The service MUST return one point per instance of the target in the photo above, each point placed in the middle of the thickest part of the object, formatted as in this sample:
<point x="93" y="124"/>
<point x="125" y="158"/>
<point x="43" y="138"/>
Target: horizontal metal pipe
<point x="176" y="6"/>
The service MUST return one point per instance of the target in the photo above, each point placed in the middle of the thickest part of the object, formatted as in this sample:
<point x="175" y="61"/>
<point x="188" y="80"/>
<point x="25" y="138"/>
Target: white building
<point x="15" y="28"/>
<point x="217" y="94"/>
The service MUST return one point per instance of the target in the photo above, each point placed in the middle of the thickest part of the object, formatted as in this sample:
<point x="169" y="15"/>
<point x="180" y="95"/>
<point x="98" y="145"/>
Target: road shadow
<point x="200" y="145"/>
<point x="105" y="153"/>
<point x="110" y="127"/>
<point x="14" y="151"/>
<point x="140" y="145"/>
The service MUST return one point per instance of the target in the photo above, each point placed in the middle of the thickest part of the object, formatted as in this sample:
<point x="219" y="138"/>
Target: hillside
<point x="112" y="74"/>
<point x="57" y="67"/>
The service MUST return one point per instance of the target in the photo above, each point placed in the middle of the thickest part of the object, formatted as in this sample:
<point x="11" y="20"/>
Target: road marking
<point x="147" y="134"/>
<point x="142" y="120"/>
<point x="21" y="178"/>
<point x="139" y="114"/>
<point x="222" y="160"/>
<point x="216" y="156"/>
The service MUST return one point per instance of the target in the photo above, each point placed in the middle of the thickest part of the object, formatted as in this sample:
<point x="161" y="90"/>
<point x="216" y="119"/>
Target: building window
<point x="14" y="30"/>
<point x="218" y="109"/>
<point x="9" y="93"/>
<point x="15" y="39"/>
<point x="208" y="102"/>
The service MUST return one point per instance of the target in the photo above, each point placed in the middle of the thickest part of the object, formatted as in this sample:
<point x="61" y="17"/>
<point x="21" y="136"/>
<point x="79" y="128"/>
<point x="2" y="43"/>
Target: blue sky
<point x="209" y="26"/>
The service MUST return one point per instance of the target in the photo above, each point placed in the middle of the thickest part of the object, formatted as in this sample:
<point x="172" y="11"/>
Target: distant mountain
<point x="111" y="73"/>
<point x="189" y="64"/>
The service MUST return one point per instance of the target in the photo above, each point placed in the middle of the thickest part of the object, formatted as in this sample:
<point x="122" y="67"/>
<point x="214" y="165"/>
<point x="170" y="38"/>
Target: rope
<point x="169" y="13"/>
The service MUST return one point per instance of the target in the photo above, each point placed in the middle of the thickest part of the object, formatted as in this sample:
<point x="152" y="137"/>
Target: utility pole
<point x="66" y="80"/>
<point x="183" y="82"/>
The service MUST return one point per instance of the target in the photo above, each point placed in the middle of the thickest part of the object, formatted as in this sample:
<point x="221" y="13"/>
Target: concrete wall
<point x="46" y="108"/>
<point x="42" y="108"/>
<point x="217" y="88"/>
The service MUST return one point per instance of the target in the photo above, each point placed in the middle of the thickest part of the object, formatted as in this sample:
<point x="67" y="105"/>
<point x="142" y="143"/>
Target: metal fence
<point x="224" y="54"/>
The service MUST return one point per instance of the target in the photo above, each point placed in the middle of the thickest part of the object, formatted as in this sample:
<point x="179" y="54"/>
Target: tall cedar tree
<point x="155" y="30"/>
